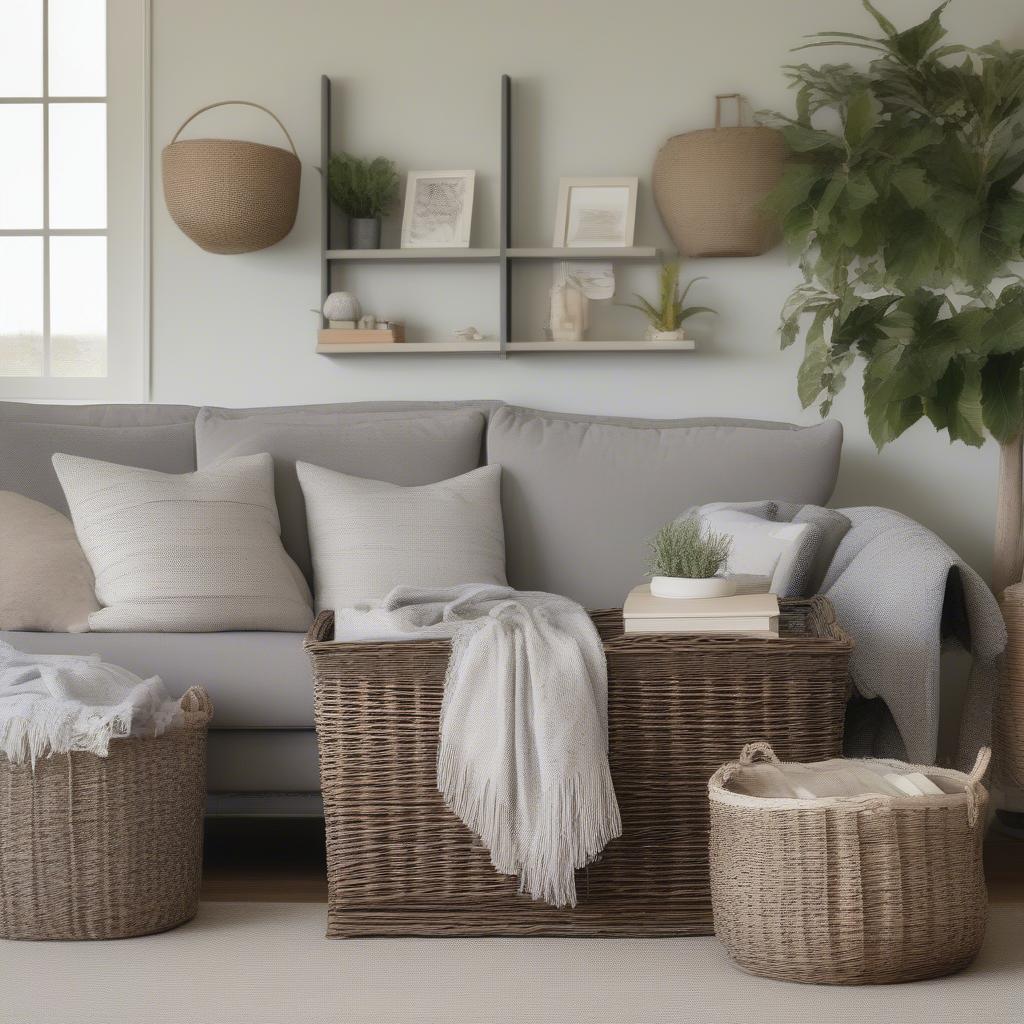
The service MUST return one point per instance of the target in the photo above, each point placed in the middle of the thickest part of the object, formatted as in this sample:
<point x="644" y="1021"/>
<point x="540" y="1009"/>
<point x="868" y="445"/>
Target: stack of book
<point x="742" y="614"/>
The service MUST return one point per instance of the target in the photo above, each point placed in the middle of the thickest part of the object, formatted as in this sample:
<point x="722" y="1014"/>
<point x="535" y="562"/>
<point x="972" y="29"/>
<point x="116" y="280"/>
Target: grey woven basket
<point x="231" y="196"/>
<point x="106" y="847"/>
<point x="849" y="890"/>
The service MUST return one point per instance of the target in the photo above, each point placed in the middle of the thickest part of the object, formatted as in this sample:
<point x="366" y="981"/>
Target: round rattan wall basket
<point x="709" y="185"/>
<point x="231" y="196"/>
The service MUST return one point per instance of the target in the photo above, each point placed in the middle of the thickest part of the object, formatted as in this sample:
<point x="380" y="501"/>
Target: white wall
<point x="599" y="86"/>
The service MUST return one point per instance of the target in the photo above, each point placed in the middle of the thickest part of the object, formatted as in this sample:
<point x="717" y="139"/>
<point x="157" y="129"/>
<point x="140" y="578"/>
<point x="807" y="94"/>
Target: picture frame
<point x="595" y="213"/>
<point x="438" y="210"/>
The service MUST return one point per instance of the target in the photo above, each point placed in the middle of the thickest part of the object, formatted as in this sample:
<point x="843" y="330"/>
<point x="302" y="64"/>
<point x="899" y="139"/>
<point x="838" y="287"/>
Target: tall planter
<point x="709" y="186"/>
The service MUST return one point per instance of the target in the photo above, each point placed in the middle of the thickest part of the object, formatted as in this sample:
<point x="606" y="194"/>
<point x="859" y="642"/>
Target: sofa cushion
<point x="407" y="447"/>
<point x="582" y="495"/>
<point x="185" y="552"/>
<point x="257" y="680"/>
<point x="28" y="447"/>
<point x="147" y="415"/>
<point x="368" y="536"/>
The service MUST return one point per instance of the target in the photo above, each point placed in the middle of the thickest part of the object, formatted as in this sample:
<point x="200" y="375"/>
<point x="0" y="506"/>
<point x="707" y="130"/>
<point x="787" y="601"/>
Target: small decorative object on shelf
<point x="365" y="191"/>
<point x="438" y="209"/>
<point x="665" y="321"/>
<point x="686" y="559"/>
<point x="367" y="322"/>
<point x="569" y="311"/>
<point x="342" y="306"/>
<point x="709" y="186"/>
<point x="469" y="334"/>
<point x="595" y="213"/>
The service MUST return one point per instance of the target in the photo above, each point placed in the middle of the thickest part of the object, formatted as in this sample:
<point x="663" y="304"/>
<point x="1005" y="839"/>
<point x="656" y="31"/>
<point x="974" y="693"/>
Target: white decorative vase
<point x="679" y="586"/>
<point x="342" y="306"/>
<point x="677" y="335"/>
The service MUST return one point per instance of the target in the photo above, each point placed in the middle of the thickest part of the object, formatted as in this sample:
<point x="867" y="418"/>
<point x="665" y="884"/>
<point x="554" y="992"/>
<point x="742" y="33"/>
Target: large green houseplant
<point x="902" y="204"/>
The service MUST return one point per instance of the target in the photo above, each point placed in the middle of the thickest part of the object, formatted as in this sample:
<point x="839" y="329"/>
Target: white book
<point x="743" y="613"/>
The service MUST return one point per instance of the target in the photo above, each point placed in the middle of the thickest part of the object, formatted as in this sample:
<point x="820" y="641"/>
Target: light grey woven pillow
<point x="191" y="552"/>
<point x="368" y="536"/>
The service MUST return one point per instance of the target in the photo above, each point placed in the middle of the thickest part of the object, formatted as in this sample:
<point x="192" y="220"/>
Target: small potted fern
<point x="665" y="321"/>
<point x="365" y="191"/>
<point x="687" y="559"/>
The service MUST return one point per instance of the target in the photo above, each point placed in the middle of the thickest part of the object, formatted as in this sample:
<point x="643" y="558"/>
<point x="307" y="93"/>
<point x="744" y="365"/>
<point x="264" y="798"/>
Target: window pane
<point x="78" y="307"/>
<point x="21" y="48"/>
<point x="21" y="165"/>
<point x="21" y="307"/>
<point x="78" y="165"/>
<point x="78" y="47"/>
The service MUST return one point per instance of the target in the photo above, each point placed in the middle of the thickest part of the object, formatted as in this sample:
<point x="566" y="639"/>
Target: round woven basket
<point x="231" y="196"/>
<point x="106" y="847"/>
<point x="849" y="890"/>
<point x="709" y="185"/>
<point x="1009" y="720"/>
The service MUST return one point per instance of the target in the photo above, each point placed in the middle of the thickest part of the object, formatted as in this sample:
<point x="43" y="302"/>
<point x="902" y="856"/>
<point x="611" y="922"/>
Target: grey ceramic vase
<point x="364" y="232"/>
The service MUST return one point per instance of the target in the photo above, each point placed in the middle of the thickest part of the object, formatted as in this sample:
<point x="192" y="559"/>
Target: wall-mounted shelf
<point x="504" y="257"/>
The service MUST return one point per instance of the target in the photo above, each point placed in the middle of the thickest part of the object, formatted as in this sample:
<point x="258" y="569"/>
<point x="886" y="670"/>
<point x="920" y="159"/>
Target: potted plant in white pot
<point x="365" y="191"/>
<point x="665" y="321"/>
<point x="687" y="558"/>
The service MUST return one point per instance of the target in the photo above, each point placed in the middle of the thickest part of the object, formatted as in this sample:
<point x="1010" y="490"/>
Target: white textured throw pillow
<point x="191" y="552"/>
<point x="368" y="536"/>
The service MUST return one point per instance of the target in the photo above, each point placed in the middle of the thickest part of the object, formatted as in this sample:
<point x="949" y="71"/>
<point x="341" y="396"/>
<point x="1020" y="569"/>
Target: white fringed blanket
<point x="523" y="750"/>
<point x="59" y="703"/>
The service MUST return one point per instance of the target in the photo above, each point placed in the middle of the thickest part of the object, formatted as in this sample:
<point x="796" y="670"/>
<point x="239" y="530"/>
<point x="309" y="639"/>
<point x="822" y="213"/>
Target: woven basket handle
<point x="198" y="707"/>
<point x="243" y="103"/>
<point x="975" y="790"/>
<point x="754" y="752"/>
<point x="738" y="97"/>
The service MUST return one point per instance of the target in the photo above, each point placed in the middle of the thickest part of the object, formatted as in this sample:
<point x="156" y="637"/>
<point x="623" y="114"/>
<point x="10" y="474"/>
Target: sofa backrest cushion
<point x="582" y="495"/>
<point x="408" y="447"/>
<point x="160" y="437"/>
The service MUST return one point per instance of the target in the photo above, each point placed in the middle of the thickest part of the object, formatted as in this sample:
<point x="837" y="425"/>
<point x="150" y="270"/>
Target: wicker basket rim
<point x="232" y="143"/>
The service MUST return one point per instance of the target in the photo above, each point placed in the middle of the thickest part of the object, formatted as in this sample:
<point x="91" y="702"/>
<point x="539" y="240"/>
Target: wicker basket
<point x="399" y="863"/>
<point x="849" y="890"/>
<point x="709" y="186"/>
<point x="106" y="848"/>
<point x="231" y="196"/>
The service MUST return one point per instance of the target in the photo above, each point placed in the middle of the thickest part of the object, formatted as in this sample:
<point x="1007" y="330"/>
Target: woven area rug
<point x="267" y="963"/>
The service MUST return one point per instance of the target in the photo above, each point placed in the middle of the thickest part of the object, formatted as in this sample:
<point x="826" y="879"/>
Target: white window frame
<point x="128" y="218"/>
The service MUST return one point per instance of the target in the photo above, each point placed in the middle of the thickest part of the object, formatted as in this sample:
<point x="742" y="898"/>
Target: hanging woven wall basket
<point x="709" y="185"/>
<point x="231" y="196"/>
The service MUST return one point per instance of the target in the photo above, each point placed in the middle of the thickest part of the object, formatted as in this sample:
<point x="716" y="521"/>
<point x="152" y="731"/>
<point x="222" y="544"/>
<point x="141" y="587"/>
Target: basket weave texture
<point x="106" y="847"/>
<point x="849" y="890"/>
<point x="709" y="185"/>
<point x="231" y="196"/>
<point x="1009" y="721"/>
<point x="400" y="863"/>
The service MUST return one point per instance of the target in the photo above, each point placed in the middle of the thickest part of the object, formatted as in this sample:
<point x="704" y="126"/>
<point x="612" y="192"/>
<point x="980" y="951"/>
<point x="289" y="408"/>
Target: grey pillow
<point x="581" y="495"/>
<point x="399" y="446"/>
<point x="185" y="553"/>
<point x="368" y="536"/>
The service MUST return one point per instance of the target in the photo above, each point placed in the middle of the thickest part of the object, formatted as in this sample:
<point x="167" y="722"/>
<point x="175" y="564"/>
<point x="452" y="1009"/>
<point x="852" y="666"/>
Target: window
<point x="73" y="199"/>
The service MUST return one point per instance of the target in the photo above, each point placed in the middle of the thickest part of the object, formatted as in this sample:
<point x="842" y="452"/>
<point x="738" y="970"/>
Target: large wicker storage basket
<point x="399" y="863"/>
<point x="106" y="847"/>
<point x="849" y="890"/>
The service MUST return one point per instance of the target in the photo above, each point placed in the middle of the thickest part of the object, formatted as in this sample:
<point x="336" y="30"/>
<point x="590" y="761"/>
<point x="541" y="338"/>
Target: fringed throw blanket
<point x="59" y="703"/>
<point x="523" y="746"/>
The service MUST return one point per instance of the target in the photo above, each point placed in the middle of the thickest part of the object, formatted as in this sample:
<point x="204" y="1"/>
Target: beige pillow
<point x="46" y="584"/>
<point x="368" y="536"/>
<point x="190" y="552"/>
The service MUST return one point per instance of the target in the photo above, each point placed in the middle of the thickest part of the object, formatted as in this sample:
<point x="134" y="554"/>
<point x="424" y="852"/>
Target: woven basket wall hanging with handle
<point x="709" y="184"/>
<point x="231" y="196"/>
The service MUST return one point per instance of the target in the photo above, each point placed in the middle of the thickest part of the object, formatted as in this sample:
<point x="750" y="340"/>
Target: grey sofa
<point x="580" y="495"/>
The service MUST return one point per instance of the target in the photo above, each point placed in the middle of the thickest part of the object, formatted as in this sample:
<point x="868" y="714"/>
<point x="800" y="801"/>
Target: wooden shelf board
<point x="633" y="253"/>
<point x="408" y="348"/>
<point x="687" y="345"/>
<point x="411" y="255"/>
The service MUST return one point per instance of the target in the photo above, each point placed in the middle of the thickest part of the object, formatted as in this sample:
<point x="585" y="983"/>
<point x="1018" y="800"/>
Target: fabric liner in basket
<point x="852" y="887"/>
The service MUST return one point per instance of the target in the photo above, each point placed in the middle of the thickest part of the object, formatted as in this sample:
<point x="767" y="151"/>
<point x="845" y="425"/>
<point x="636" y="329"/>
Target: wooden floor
<point x="281" y="860"/>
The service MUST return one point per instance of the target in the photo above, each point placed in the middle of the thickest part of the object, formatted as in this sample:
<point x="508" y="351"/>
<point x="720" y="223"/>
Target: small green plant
<point x="362" y="188"/>
<point x="670" y="312"/>
<point x="689" y="549"/>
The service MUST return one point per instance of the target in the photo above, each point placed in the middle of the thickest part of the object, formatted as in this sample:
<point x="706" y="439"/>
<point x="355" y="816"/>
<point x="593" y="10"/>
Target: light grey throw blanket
<point x="523" y="748"/>
<point x="901" y="592"/>
<point x="59" y="703"/>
